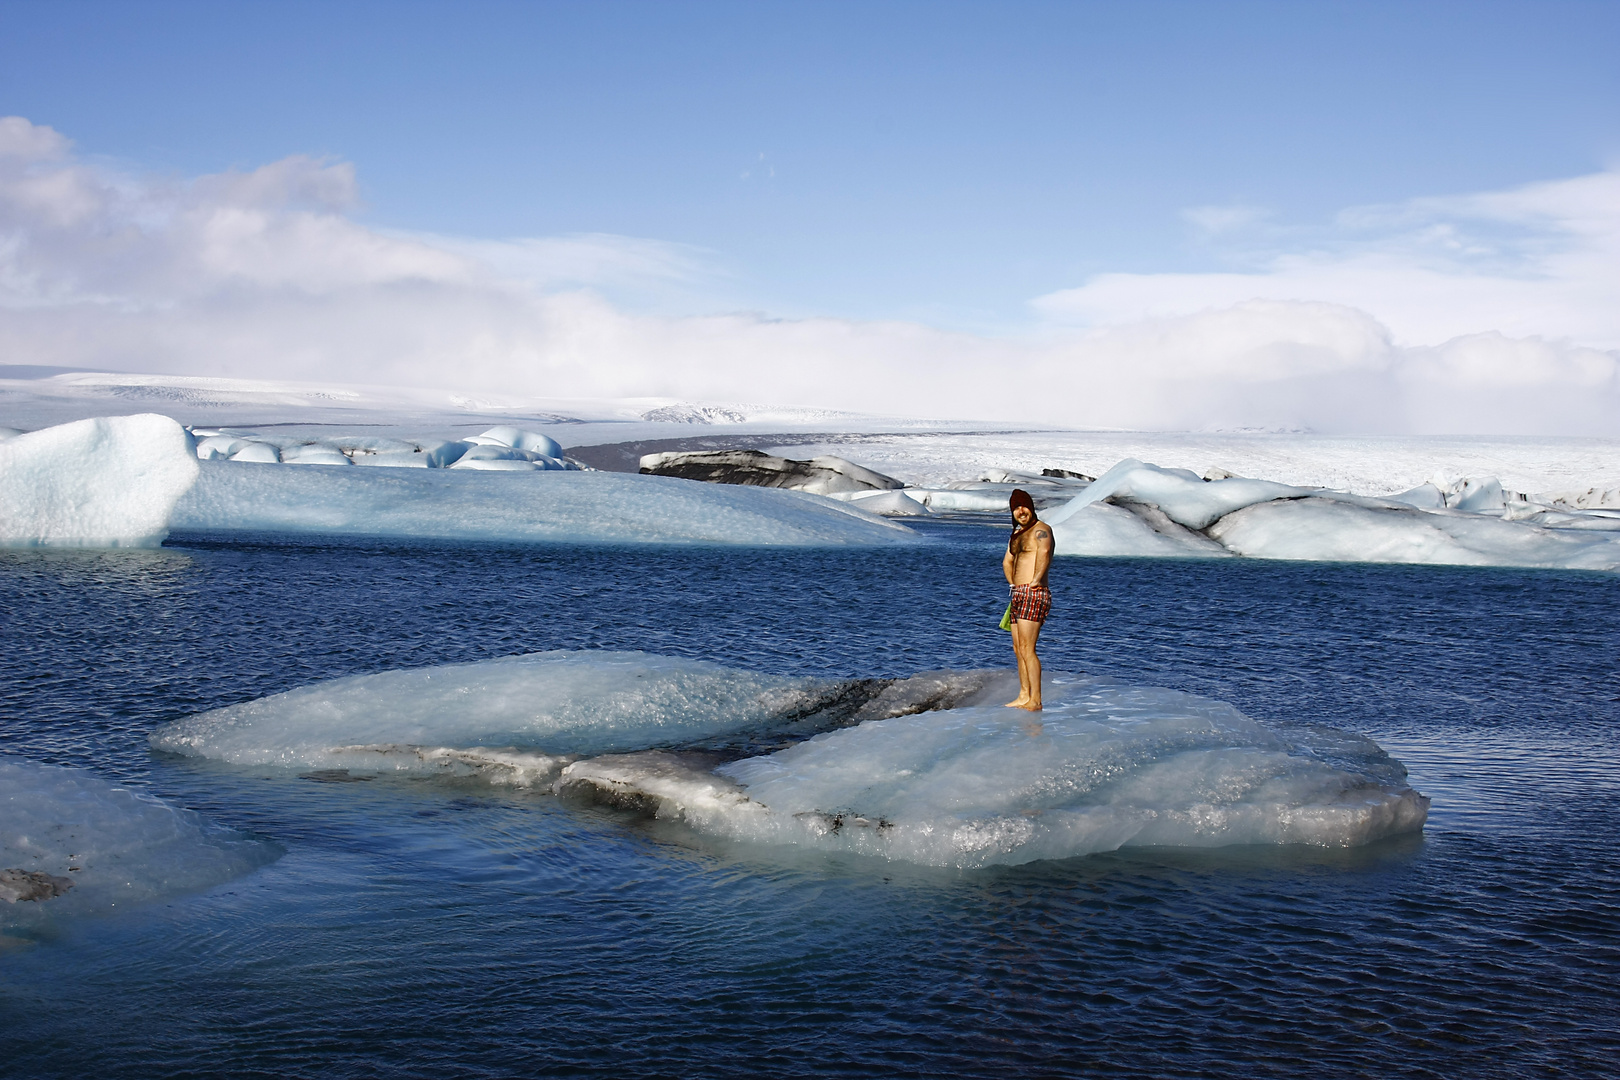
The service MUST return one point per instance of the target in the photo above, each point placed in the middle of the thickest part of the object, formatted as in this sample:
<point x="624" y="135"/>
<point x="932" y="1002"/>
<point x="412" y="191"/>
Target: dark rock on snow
<point x="753" y="468"/>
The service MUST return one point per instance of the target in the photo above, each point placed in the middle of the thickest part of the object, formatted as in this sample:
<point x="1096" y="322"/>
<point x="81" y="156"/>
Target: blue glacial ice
<point x="527" y="506"/>
<point x="109" y="846"/>
<point x="928" y="770"/>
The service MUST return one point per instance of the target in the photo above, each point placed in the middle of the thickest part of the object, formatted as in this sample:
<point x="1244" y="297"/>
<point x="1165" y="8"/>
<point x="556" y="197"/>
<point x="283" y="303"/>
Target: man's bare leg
<point x="1023" y="673"/>
<point x="1025" y="635"/>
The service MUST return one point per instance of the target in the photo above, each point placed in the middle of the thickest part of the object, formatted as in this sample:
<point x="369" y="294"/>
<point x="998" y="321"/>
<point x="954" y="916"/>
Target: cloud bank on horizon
<point x="1482" y="313"/>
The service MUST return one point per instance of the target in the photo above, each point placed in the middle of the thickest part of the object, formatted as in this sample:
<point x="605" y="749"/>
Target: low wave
<point x="929" y="769"/>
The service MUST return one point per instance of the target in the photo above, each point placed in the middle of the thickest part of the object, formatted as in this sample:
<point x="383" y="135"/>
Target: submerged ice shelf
<point x="929" y="769"/>
<point x="115" y="846"/>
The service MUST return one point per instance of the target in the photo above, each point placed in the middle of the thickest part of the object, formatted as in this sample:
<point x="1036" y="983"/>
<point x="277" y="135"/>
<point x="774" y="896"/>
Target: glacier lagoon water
<point x="454" y="928"/>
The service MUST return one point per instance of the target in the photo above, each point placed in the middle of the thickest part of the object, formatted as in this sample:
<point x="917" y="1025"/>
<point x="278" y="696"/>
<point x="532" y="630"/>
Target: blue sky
<point x="941" y="164"/>
<point x="941" y="161"/>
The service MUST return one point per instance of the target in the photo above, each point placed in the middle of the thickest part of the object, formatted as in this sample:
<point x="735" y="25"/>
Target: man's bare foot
<point x="1019" y="702"/>
<point x="1032" y="706"/>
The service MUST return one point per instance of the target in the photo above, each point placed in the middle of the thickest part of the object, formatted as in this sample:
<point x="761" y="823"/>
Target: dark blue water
<point x="454" y="929"/>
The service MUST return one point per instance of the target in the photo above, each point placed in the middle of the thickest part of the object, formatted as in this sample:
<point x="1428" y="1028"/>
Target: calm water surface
<point x="454" y="929"/>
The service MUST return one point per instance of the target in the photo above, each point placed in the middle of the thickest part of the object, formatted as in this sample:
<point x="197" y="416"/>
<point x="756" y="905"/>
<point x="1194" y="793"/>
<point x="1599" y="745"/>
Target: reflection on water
<point x="422" y="927"/>
<point x="151" y="571"/>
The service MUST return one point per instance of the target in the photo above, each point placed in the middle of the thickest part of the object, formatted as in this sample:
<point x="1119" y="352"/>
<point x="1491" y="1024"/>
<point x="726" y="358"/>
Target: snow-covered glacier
<point x="930" y="769"/>
<point x="1141" y="509"/>
<point x="103" y="846"/>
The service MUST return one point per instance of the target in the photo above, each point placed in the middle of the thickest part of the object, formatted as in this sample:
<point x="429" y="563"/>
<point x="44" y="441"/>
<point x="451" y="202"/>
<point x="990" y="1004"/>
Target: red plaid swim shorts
<point x="1032" y="603"/>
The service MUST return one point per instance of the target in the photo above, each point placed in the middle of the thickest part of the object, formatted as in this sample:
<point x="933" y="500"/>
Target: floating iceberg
<point x="580" y="507"/>
<point x="1140" y="509"/>
<point x="927" y="769"/>
<point x="886" y="503"/>
<point x="822" y="475"/>
<point x="109" y="482"/>
<point x="1185" y="497"/>
<point x="1334" y="529"/>
<point x="113" y="846"/>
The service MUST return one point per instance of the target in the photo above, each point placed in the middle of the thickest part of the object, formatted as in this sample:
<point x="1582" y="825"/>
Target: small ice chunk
<point x="263" y="453"/>
<point x="218" y="447"/>
<point x="519" y="439"/>
<point x="886" y="503"/>
<point x="314" y="454"/>
<point x="946" y="501"/>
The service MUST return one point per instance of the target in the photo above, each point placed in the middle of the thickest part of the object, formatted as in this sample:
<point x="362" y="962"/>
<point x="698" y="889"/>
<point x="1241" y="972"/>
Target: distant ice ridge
<point x="499" y="449"/>
<point x="108" y="482"/>
<point x="126" y="481"/>
<point x="1141" y="509"/>
<point x="114" y="846"/>
<point x="929" y="769"/>
<point x="576" y="507"/>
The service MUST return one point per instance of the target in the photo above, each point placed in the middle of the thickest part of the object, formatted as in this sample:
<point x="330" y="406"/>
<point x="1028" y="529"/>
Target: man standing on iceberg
<point x="1029" y="555"/>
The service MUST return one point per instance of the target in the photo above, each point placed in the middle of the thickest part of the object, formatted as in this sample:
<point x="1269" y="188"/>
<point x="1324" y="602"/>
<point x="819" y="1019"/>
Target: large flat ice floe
<point x="578" y="507"/>
<point x="103" y="846"/>
<point x="1141" y="509"/>
<point x="107" y="482"/>
<point x="929" y="769"/>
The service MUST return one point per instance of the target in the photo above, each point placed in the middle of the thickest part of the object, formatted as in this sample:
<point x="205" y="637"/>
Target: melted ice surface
<point x="927" y="770"/>
<point x="541" y="706"/>
<point x="1106" y="765"/>
<point x="118" y="847"/>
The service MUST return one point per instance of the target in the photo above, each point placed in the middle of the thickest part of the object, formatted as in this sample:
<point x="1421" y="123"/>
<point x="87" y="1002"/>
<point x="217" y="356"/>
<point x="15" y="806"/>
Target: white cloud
<point x="1541" y="260"/>
<point x="1215" y="220"/>
<point x="1445" y="315"/>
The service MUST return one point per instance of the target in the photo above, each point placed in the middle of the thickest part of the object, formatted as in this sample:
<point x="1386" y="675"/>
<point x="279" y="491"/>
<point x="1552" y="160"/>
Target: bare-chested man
<point x="1029" y="554"/>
